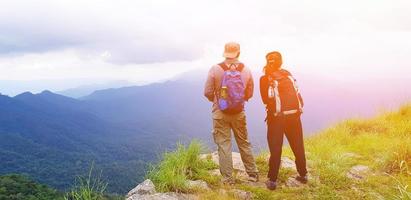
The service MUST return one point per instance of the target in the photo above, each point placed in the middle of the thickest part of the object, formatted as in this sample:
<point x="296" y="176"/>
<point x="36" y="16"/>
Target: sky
<point x="76" y="43"/>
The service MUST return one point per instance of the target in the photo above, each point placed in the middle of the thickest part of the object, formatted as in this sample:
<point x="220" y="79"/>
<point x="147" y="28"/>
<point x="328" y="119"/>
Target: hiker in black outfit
<point x="284" y="103"/>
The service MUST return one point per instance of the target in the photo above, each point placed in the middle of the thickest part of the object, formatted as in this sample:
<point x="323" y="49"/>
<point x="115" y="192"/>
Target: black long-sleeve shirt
<point x="264" y="84"/>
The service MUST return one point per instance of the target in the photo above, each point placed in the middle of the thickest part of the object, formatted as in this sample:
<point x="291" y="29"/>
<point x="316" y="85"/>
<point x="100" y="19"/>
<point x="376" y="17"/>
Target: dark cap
<point x="273" y="54"/>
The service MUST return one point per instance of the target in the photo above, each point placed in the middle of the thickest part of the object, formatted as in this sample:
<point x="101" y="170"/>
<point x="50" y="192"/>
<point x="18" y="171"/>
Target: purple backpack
<point x="232" y="90"/>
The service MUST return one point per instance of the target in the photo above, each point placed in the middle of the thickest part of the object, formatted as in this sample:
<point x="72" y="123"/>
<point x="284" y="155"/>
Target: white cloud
<point x="154" y="40"/>
<point x="72" y="64"/>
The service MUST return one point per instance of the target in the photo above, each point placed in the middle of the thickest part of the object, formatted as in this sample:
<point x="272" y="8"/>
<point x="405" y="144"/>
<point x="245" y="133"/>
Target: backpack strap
<point x="239" y="68"/>
<point x="286" y="72"/>
<point x="223" y="66"/>
<point x="297" y="92"/>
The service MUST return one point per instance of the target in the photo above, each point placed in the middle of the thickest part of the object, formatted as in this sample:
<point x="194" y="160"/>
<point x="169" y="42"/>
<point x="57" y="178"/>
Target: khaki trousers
<point x="222" y="126"/>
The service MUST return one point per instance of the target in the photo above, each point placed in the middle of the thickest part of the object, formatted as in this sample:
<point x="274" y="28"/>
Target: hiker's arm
<point x="264" y="89"/>
<point x="249" y="88"/>
<point x="209" y="86"/>
<point x="269" y="105"/>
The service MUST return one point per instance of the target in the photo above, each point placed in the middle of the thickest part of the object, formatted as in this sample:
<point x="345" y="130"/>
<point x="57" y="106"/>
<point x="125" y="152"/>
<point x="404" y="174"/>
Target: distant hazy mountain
<point x="175" y="108"/>
<point x="55" y="138"/>
<point x="84" y="90"/>
<point x="180" y="108"/>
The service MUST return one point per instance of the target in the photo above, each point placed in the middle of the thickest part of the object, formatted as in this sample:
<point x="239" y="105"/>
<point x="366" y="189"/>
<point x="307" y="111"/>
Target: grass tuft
<point x="181" y="165"/>
<point x="88" y="188"/>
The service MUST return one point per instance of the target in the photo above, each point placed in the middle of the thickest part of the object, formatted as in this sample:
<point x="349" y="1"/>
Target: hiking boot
<point x="271" y="185"/>
<point x="253" y="177"/>
<point x="302" y="179"/>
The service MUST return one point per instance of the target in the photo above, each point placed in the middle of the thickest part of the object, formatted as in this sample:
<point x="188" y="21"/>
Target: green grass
<point x="183" y="164"/>
<point x="382" y="143"/>
<point x="89" y="187"/>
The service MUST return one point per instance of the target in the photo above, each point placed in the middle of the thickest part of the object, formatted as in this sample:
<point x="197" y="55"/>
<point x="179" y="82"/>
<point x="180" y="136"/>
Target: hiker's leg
<point x="294" y="133"/>
<point x="275" y="132"/>
<point x="222" y="138"/>
<point x="239" y="126"/>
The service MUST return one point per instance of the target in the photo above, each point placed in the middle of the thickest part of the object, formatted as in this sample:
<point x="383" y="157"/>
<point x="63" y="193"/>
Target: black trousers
<point x="290" y="125"/>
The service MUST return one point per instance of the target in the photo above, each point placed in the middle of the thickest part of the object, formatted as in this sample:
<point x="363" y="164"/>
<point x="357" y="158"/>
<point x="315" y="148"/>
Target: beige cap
<point x="231" y="50"/>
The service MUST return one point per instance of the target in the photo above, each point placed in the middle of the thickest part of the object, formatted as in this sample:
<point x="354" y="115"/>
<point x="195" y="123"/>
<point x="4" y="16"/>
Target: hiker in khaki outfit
<point x="229" y="84"/>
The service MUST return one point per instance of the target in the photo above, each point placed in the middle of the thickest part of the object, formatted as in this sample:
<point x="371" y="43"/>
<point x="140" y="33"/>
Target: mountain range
<point x="53" y="138"/>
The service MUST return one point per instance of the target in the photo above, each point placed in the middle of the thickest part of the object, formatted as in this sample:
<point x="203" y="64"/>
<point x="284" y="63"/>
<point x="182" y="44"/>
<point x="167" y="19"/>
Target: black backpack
<point x="283" y="93"/>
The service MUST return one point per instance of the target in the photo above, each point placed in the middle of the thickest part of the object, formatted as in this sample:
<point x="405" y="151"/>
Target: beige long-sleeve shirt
<point x="213" y="83"/>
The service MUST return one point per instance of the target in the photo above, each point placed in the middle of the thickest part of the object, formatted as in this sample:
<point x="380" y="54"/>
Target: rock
<point x="259" y="184"/>
<point x="180" y="196"/>
<point x="147" y="191"/>
<point x="292" y="182"/>
<point x="350" y="155"/>
<point x="198" y="184"/>
<point x="158" y="196"/>
<point x="286" y="162"/>
<point x="145" y="188"/>
<point x="358" y="172"/>
<point x="215" y="172"/>
<point x="204" y="156"/>
<point x="240" y="194"/>
<point x="237" y="162"/>
<point x="241" y="175"/>
<point x="164" y="196"/>
<point x="214" y="157"/>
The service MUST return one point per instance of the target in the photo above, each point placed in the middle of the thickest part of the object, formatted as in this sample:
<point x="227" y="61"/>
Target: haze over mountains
<point x="54" y="138"/>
